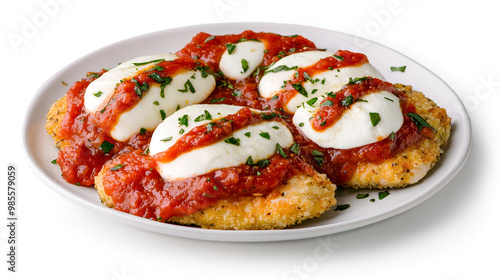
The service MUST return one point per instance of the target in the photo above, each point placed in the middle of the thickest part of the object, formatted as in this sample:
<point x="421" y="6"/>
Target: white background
<point x="452" y="236"/>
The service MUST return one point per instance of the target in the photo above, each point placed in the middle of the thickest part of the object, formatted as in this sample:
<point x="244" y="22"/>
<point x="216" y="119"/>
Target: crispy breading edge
<point x="413" y="163"/>
<point x="300" y="198"/>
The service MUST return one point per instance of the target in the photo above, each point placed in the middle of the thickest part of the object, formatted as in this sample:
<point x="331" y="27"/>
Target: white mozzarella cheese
<point x="354" y="128"/>
<point x="218" y="155"/>
<point x="153" y="108"/>
<point x="245" y="57"/>
<point x="99" y="92"/>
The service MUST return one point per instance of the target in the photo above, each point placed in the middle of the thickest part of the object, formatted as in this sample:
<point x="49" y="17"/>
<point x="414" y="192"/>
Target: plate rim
<point x="247" y="235"/>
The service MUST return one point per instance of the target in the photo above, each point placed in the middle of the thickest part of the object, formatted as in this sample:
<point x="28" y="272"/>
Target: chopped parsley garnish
<point x="148" y="62"/>
<point x="384" y="194"/>
<point x="265" y="135"/>
<point x="236" y="93"/>
<point x="362" y="195"/>
<point x="183" y="120"/>
<point x="244" y="65"/>
<point x="419" y="121"/>
<point x="250" y="161"/>
<point x="205" y="116"/>
<point x="311" y="101"/>
<point x="318" y="157"/>
<point x="98" y="94"/>
<point x="298" y="87"/>
<point x="310" y="79"/>
<point x="230" y="48"/>
<point x="116" y="167"/>
<point x="163" y="115"/>
<point x="348" y="100"/>
<point x="188" y="86"/>
<point x="392" y="136"/>
<point x="156" y="67"/>
<point x="156" y="77"/>
<point x="281" y="68"/>
<point x="341" y="58"/>
<point x="280" y="151"/>
<point x="342" y="207"/>
<point x="140" y="89"/>
<point x="356" y="80"/>
<point x="263" y="163"/>
<point x="331" y="94"/>
<point x="106" y="146"/>
<point x="398" y="69"/>
<point x="295" y="148"/>
<point x="93" y="75"/>
<point x="326" y="103"/>
<point x="233" y="141"/>
<point x="166" y="81"/>
<point x="210" y="38"/>
<point x="215" y="100"/>
<point x="205" y="71"/>
<point x="374" y="118"/>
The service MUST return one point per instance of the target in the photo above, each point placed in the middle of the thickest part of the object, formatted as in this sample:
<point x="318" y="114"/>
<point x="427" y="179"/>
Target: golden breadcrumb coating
<point x="302" y="197"/>
<point x="54" y="119"/>
<point x="415" y="161"/>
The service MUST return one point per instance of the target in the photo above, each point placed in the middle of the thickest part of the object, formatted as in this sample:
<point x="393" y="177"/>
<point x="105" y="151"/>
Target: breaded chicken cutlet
<point x="300" y="198"/>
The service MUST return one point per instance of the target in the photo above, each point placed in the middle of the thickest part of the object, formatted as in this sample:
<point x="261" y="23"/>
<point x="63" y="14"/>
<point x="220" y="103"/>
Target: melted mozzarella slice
<point x="245" y="57"/>
<point x="272" y="82"/>
<point x="354" y="128"/>
<point x="153" y="108"/>
<point x="99" y="92"/>
<point x="218" y="155"/>
<point x="324" y="82"/>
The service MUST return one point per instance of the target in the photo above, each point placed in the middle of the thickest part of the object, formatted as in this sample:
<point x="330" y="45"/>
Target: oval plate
<point x="41" y="151"/>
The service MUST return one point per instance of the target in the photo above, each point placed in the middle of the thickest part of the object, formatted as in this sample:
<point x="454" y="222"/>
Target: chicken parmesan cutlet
<point x="243" y="131"/>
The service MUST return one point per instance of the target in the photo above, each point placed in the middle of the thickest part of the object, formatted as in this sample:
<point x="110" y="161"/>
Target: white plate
<point x="41" y="151"/>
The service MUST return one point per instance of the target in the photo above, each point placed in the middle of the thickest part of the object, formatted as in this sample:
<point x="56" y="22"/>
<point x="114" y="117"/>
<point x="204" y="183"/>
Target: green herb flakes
<point x="374" y="118"/>
<point x="233" y="141"/>
<point x="398" y="68"/>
